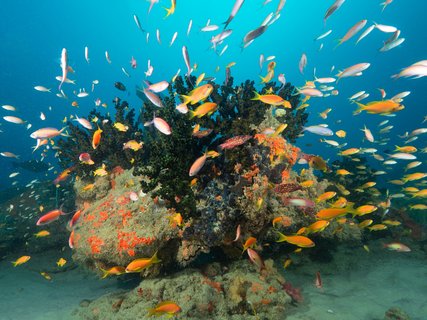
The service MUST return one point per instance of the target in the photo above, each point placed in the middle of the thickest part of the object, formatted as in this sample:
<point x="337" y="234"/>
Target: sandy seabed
<point x="364" y="291"/>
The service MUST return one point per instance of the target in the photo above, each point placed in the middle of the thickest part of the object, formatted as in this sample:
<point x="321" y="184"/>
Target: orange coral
<point x="95" y="244"/>
<point x="129" y="240"/>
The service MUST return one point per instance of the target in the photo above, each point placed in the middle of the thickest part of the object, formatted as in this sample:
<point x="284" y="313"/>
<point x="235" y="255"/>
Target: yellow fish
<point x="43" y="233"/>
<point x="21" y="260"/>
<point x="61" y="262"/>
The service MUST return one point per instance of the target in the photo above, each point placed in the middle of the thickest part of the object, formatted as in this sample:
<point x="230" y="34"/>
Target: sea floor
<point x="361" y="290"/>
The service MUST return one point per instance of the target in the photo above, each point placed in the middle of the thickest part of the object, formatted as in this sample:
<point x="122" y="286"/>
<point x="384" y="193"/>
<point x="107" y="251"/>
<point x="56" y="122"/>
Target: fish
<point x="83" y="122"/>
<point x="137" y="22"/>
<point x="365" y="33"/>
<point x="318" y="281"/>
<point x="158" y="87"/>
<point x="334" y="7"/>
<point x="236" y="7"/>
<point x="49" y="217"/>
<point x="75" y="218"/>
<point x="234" y="142"/>
<point x="133" y="145"/>
<point x="352" y="31"/>
<point x="252" y="35"/>
<point x="353" y="71"/>
<point x="318" y="226"/>
<point x="107" y="57"/>
<point x="256" y="259"/>
<point x="171" y="10"/>
<point x="42" y="89"/>
<point x="85" y="158"/>
<point x="87" y="54"/>
<point x="206" y="108"/>
<point x="116" y="271"/>
<point x="326" y="196"/>
<point x="43" y="233"/>
<point x="96" y="138"/>
<point x="396" y="246"/>
<point x="46" y="275"/>
<point x="383" y="107"/>
<point x="165" y="307"/>
<point x="21" y="260"/>
<point x="120" y="127"/>
<point x="385" y="28"/>
<point x="271" y="99"/>
<point x="377" y="227"/>
<point x="319" y="130"/>
<point x="190" y="24"/>
<point x="13" y="119"/>
<point x="63" y="175"/>
<point x="323" y="35"/>
<point x="331" y="213"/>
<point x="173" y="39"/>
<point x="198" y="94"/>
<point x="368" y="134"/>
<point x="64" y="66"/>
<point x="302" y="63"/>
<point x="300" y="241"/>
<point x="197" y="165"/>
<point x="160" y="124"/>
<point x="139" y="265"/>
<point x="61" y="262"/>
<point x="249" y="243"/>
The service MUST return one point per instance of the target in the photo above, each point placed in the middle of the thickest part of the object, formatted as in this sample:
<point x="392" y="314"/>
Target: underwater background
<point x="33" y="35"/>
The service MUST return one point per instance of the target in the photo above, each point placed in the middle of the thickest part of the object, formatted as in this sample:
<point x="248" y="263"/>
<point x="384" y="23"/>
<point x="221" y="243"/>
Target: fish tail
<point x="360" y="109"/>
<point x="169" y="11"/>
<point x="339" y="43"/>
<point x="263" y="79"/>
<point x="187" y="99"/>
<point x="282" y="237"/>
<point x="257" y="96"/>
<point x="192" y="114"/>
<point x="14" y="263"/>
<point x="104" y="273"/>
<point x="155" y="259"/>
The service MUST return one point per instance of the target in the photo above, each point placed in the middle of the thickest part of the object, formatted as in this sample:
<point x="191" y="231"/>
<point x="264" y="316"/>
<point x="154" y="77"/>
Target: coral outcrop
<point x="214" y="292"/>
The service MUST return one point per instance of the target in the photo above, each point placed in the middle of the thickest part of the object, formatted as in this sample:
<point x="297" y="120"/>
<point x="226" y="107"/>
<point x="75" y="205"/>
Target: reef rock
<point x="238" y="292"/>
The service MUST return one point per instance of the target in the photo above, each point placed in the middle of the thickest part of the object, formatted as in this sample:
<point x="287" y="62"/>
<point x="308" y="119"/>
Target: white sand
<point x="371" y="285"/>
<point x="362" y="290"/>
<point x="26" y="295"/>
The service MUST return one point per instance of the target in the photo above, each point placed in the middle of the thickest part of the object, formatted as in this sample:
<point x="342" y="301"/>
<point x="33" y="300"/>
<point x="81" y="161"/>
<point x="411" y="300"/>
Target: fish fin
<point x="257" y="96"/>
<point x="340" y="42"/>
<point x="104" y="273"/>
<point x="14" y="263"/>
<point x="282" y="237"/>
<point x="187" y="99"/>
<point x="360" y="109"/>
<point x="192" y="114"/>
<point x="154" y="258"/>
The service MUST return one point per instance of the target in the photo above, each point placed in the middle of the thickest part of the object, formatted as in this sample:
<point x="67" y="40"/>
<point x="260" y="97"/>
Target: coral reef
<point x="119" y="223"/>
<point x="236" y="292"/>
<point x="110" y="150"/>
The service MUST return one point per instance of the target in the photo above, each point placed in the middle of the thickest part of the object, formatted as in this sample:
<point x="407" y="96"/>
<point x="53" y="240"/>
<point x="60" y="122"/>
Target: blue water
<point x="33" y="38"/>
<point x="34" y="33"/>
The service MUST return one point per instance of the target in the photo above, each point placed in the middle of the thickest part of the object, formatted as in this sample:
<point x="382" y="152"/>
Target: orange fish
<point x="206" y="108"/>
<point x="143" y="263"/>
<point x="166" y="307"/>
<point x="326" y="196"/>
<point x="379" y="107"/>
<point x="197" y="165"/>
<point x="300" y="241"/>
<point x="318" y="226"/>
<point x="272" y="99"/>
<point x="21" y="260"/>
<point x="63" y="175"/>
<point x="96" y="139"/>
<point x="198" y="94"/>
<point x="49" y="217"/>
<point x="331" y="213"/>
<point x="250" y="242"/>
<point x="116" y="271"/>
